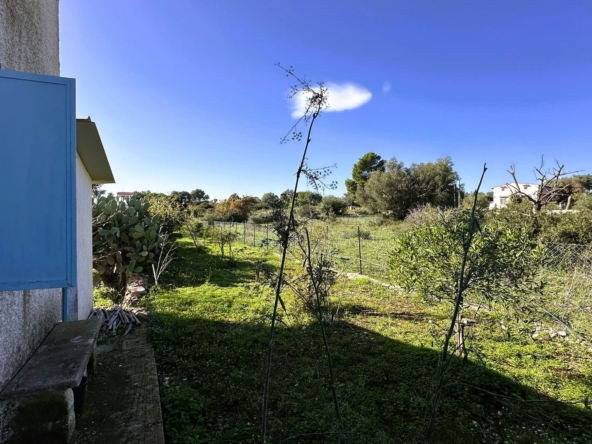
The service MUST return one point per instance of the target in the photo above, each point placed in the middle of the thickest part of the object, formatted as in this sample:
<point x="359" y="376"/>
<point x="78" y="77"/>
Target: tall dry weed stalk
<point x="316" y="99"/>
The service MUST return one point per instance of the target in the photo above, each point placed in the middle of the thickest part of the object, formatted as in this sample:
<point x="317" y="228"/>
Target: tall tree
<point x="389" y="192"/>
<point x="362" y="170"/>
<point x="399" y="189"/>
<point x="438" y="179"/>
<point x="270" y="200"/>
<point x="181" y="198"/>
<point x="199" y="195"/>
<point x="235" y="208"/>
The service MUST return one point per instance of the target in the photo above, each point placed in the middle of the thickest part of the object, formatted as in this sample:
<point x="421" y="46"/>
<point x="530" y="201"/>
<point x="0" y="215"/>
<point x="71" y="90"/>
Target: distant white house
<point x="124" y="195"/>
<point x="502" y="193"/>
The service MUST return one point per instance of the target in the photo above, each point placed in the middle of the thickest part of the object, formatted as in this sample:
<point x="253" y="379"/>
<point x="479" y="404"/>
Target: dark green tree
<point x="270" y="200"/>
<point x="438" y="181"/>
<point x="308" y="198"/>
<point x="333" y="205"/>
<point x="362" y="170"/>
<point x="198" y="196"/>
<point x="181" y="198"/>
<point x="389" y="192"/>
<point x="482" y="201"/>
<point x="399" y="189"/>
<point x="286" y="197"/>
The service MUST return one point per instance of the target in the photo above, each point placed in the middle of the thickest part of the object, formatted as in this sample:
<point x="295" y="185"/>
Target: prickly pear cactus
<point x="125" y="238"/>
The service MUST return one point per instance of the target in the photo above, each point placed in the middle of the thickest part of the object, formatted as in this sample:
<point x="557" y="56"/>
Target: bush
<point x="169" y="212"/>
<point x="308" y="211"/>
<point x="334" y="205"/>
<point x="125" y="238"/>
<point x="428" y="258"/>
<point x="222" y="237"/>
<point x="584" y="202"/>
<point x="193" y="228"/>
<point x="566" y="228"/>
<point x="261" y="217"/>
<point x="423" y="214"/>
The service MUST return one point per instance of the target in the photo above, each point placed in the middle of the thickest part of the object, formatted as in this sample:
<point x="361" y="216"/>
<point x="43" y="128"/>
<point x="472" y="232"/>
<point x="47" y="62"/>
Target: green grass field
<point x="210" y="328"/>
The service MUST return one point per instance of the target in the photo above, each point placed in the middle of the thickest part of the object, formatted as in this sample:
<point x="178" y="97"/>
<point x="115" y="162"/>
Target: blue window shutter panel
<point x="37" y="181"/>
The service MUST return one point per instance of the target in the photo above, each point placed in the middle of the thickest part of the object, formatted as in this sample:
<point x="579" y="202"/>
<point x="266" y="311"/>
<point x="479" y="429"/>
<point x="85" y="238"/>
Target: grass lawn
<point x="210" y="328"/>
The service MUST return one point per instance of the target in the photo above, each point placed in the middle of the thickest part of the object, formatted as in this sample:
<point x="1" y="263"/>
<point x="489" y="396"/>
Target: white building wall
<point x="502" y="193"/>
<point x="29" y="36"/>
<point x="83" y="241"/>
<point x="29" y="41"/>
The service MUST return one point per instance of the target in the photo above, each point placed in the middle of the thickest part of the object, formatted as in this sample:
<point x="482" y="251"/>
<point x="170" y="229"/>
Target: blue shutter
<point x="37" y="181"/>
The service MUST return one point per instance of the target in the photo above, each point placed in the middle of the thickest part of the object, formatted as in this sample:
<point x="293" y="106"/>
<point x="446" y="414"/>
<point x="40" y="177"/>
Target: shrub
<point x="193" y="228"/>
<point x="427" y="259"/>
<point x="261" y="217"/>
<point x="568" y="228"/>
<point x="167" y="209"/>
<point x="308" y="211"/>
<point x="221" y="237"/>
<point x="423" y="214"/>
<point x="334" y="205"/>
<point x="125" y="238"/>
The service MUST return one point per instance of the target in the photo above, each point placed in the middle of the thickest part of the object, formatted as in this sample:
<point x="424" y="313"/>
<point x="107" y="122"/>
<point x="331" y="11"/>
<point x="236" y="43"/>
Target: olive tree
<point x="399" y="189"/>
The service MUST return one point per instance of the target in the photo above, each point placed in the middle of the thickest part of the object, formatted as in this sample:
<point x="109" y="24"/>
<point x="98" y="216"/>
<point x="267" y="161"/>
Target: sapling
<point x="165" y="256"/>
<point x="455" y="321"/>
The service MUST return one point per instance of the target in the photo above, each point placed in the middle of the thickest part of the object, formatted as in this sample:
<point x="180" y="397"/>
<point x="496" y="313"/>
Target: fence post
<point x="360" y="249"/>
<point x="254" y="229"/>
<point x="266" y="237"/>
<point x="245" y="233"/>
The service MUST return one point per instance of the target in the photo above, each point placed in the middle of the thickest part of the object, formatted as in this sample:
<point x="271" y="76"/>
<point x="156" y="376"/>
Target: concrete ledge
<point x="44" y="417"/>
<point x="59" y="363"/>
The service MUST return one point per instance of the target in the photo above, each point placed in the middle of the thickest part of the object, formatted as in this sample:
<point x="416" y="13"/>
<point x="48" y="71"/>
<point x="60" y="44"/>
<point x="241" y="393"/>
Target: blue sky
<point x="186" y="93"/>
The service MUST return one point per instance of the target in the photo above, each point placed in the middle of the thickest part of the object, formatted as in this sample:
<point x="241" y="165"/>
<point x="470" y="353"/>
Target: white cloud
<point x="386" y="87"/>
<point x="342" y="97"/>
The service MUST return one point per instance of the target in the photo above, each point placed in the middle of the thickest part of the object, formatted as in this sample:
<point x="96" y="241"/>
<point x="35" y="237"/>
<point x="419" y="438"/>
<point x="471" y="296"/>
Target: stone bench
<point x="43" y="401"/>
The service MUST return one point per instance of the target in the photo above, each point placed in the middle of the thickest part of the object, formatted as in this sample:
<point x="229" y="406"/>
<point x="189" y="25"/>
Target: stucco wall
<point x="29" y="41"/>
<point x="84" y="239"/>
<point x="29" y="36"/>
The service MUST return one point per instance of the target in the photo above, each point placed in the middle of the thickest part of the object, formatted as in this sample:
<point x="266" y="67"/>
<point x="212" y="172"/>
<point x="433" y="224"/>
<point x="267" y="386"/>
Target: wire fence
<point x="360" y="245"/>
<point x="567" y="256"/>
<point x="354" y="248"/>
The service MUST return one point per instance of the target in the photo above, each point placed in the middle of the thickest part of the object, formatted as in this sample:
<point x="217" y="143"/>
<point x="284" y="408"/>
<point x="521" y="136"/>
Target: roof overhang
<point x="92" y="153"/>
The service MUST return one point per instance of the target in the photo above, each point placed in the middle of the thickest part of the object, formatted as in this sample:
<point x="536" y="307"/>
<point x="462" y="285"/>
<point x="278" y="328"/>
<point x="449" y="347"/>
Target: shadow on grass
<point x="211" y="376"/>
<point x="363" y="310"/>
<point x="193" y="267"/>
